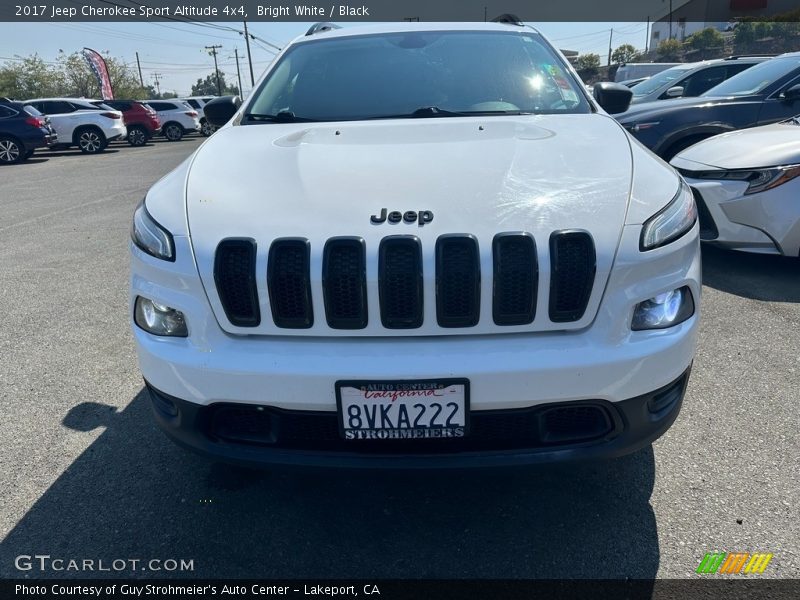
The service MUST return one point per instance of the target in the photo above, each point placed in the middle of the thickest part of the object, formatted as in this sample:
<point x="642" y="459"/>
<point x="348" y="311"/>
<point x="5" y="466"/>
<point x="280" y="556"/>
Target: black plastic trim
<point x="413" y="321"/>
<point x="249" y="245"/>
<point x="466" y="320"/>
<point x="519" y="318"/>
<point x="359" y="322"/>
<point x="284" y="321"/>
<point x="562" y="315"/>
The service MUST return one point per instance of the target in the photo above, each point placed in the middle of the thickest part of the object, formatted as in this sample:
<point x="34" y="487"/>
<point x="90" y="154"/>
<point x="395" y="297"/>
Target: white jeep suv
<point x="80" y="123"/>
<point x="417" y="245"/>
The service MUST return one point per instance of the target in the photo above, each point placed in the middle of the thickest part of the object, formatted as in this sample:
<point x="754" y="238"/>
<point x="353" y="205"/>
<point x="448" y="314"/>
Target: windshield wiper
<point x="284" y="116"/>
<point x="434" y="112"/>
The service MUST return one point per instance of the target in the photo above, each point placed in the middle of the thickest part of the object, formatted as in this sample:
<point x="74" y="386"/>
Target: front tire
<point x="137" y="136"/>
<point x="173" y="132"/>
<point x="91" y="140"/>
<point x="11" y="151"/>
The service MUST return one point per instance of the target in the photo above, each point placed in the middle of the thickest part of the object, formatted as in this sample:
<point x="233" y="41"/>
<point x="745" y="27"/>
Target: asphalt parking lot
<point x="87" y="475"/>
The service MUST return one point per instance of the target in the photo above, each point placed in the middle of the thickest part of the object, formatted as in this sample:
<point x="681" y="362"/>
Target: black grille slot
<point x="235" y="278"/>
<point x="400" y="282"/>
<point x="289" y="284"/>
<point x="516" y="277"/>
<point x="458" y="281"/>
<point x="708" y="229"/>
<point x="344" y="283"/>
<point x="572" y="269"/>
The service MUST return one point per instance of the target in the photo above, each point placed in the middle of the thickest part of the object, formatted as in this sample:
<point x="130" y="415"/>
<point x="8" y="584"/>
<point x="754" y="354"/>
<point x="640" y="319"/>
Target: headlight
<point x="758" y="180"/>
<point x="159" y="319"/>
<point x="665" y="310"/>
<point x="675" y="219"/>
<point x="150" y="237"/>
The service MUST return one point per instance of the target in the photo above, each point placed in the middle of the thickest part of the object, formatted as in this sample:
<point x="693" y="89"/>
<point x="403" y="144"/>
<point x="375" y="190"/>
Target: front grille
<point x="344" y="283"/>
<point x="708" y="229"/>
<point x="345" y="263"/>
<point x="400" y="282"/>
<point x="572" y="270"/>
<point x="516" y="276"/>
<point x="548" y="425"/>
<point x="235" y="278"/>
<point x="289" y="284"/>
<point x="458" y="281"/>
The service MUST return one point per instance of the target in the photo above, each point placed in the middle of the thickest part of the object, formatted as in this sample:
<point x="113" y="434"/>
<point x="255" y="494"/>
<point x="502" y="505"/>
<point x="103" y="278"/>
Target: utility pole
<point x="647" y="36"/>
<point x="138" y="64"/>
<point x="670" y="19"/>
<point x="610" y="37"/>
<point x="249" y="56"/>
<point x="213" y="52"/>
<point x="238" y="71"/>
<point x="158" y="85"/>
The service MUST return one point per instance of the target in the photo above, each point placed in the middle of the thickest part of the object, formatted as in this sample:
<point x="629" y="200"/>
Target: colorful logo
<point x="729" y="563"/>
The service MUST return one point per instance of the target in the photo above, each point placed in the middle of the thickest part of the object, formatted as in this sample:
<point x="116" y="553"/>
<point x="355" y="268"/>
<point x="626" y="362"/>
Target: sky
<point x="175" y="51"/>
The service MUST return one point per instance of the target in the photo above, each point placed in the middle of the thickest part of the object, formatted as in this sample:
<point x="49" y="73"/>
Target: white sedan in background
<point x="747" y="187"/>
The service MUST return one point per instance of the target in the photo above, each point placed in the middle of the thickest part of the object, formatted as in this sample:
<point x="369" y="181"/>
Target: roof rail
<point x="508" y="19"/>
<point x="320" y="27"/>
<point x="762" y="55"/>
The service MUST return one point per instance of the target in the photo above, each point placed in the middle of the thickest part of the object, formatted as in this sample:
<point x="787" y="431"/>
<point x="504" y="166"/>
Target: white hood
<point x="768" y="146"/>
<point x="480" y="176"/>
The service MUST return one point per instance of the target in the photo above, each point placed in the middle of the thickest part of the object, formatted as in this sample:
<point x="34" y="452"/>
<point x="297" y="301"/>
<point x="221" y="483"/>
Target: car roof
<point x="404" y="27"/>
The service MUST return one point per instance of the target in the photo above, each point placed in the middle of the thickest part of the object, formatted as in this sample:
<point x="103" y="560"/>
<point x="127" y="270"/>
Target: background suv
<point x="80" y="123"/>
<point x="141" y="121"/>
<point x="23" y="129"/>
<point x="691" y="79"/>
<point x="177" y="118"/>
<point x="197" y="103"/>
<point x="765" y="93"/>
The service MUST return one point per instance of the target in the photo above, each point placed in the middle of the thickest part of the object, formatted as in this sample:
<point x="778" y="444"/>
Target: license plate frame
<point x="398" y="385"/>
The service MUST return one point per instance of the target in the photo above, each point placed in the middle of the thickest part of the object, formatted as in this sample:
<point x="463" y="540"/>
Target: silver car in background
<point x="747" y="187"/>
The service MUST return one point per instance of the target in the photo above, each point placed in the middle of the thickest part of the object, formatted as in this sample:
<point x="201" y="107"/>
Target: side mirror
<point x="220" y="110"/>
<point x="674" y="92"/>
<point x="791" y="94"/>
<point x="612" y="97"/>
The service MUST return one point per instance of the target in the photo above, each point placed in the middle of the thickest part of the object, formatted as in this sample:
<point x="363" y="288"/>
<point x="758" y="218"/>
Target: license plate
<point x="403" y="410"/>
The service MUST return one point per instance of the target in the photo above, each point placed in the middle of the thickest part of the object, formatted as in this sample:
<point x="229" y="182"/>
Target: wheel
<point x="91" y="141"/>
<point x="173" y="132"/>
<point x="11" y="151"/>
<point x="137" y="136"/>
<point x="206" y="128"/>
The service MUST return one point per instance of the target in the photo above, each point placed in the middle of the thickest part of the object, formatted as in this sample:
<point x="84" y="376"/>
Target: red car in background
<point x="141" y="120"/>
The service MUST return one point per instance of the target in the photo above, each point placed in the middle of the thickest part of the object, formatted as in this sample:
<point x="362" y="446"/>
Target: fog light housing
<point x="158" y="319"/>
<point x="665" y="310"/>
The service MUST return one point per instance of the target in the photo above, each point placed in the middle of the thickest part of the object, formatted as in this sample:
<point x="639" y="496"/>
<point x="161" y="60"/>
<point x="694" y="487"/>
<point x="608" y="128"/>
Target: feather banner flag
<point x="100" y="70"/>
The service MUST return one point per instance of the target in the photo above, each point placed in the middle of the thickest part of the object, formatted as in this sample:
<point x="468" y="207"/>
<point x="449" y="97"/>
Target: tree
<point x="208" y="86"/>
<point x="624" y="54"/>
<point x="29" y="77"/>
<point x="79" y="80"/>
<point x="744" y="37"/>
<point x="587" y="65"/>
<point x="669" y="51"/>
<point x="707" y="41"/>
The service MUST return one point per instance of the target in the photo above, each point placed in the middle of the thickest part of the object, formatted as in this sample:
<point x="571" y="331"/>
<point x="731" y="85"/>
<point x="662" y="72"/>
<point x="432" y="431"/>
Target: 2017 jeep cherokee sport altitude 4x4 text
<point x="417" y="245"/>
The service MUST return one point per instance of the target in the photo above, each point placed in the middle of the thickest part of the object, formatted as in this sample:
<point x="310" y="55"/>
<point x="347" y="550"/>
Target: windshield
<point x="659" y="79"/>
<point x="755" y="79"/>
<point x="397" y="74"/>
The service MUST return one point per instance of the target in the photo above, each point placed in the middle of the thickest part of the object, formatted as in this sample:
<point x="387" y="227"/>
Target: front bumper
<point x="766" y="222"/>
<point x="260" y="436"/>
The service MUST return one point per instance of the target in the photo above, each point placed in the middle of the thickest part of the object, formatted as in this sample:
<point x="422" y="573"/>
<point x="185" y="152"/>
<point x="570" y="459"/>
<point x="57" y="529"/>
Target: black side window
<point x="6" y="112"/>
<point x="55" y="107"/>
<point x="735" y="68"/>
<point x="702" y="81"/>
<point x="194" y="103"/>
<point x="159" y="106"/>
